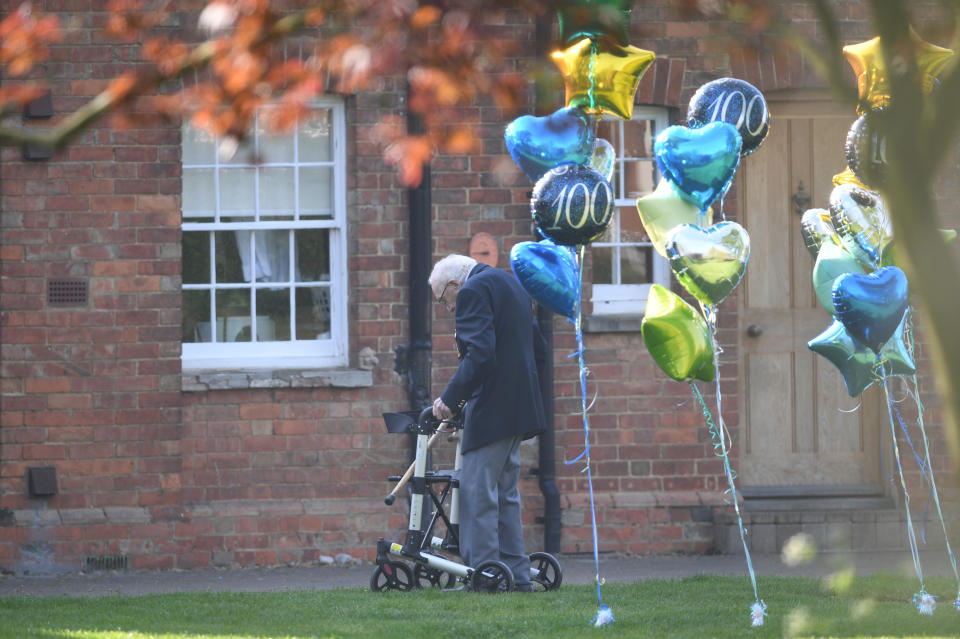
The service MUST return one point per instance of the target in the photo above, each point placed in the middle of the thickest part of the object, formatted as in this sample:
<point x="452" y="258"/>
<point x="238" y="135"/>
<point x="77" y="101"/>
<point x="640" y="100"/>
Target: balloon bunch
<point x="572" y="201"/>
<point x="727" y="119"/>
<point x="855" y="276"/>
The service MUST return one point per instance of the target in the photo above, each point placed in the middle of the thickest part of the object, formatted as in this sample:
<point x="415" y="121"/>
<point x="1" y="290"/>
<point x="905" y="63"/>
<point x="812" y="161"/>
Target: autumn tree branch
<point x="125" y="88"/>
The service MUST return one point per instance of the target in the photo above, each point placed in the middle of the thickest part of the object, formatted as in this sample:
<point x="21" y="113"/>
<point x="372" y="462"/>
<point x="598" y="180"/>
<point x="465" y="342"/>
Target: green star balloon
<point x="677" y="336"/>
<point x="594" y="19"/>
<point x="857" y="363"/>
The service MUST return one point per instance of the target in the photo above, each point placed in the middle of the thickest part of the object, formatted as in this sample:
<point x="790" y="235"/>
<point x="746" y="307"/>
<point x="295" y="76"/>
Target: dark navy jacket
<point x="499" y="343"/>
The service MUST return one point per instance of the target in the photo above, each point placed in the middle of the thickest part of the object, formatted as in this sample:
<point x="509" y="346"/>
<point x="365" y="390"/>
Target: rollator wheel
<point x="394" y="575"/>
<point x="492" y="576"/>
<point x="427" y="577"/>
<point x="548" y="575"/>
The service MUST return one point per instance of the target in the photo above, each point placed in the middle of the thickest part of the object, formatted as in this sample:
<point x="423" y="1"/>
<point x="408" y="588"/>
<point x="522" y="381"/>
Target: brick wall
<point x="176" y="477"/>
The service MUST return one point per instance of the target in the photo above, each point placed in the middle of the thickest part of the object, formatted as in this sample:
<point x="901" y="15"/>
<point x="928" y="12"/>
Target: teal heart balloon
<point x="832" y="261"/>
<point x="709" y="262"/>
<point x="858" y="365"/>
<point x="537" y="144"/>
<point x="871" y="306"/>
<point x="700" y="162"/>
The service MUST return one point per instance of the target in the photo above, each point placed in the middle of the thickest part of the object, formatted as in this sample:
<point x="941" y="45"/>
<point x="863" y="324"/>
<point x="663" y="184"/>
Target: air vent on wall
<point x="101" y="563"/>
<point x="66" y="292"/>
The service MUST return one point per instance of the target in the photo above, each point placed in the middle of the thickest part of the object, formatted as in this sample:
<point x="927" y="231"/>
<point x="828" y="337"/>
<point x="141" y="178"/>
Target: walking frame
<point x="434" y="558"/>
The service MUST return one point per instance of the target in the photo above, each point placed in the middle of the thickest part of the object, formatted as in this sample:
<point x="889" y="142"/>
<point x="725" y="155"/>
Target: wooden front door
<point x="803" y="434"/>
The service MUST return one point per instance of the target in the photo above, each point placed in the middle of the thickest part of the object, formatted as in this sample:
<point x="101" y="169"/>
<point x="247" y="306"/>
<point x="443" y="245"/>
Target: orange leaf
<point x="461" y="140"/>
<point x="424" y="17"/>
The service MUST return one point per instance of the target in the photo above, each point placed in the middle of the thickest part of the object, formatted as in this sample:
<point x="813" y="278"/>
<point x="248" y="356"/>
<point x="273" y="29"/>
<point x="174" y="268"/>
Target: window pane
<point x="638" y="138"/>
<point x="602" y="264"/>
<point x="639" y="177"/>
<point x="198" y="196"/>
<point x="609" y="130"/>
<point x="196" y="258"/>
<point x="272" y="249"/>
<point x="636" y="264"/>
<point x="276" y="193"/>
<point x="631" y="228"/>
<point x="314" y="137"/>
<point x="313" y="313"/>
<point x="274" y="146"/>
<point x="236" y="191"/>
<point x="230" y="268"/>
<point x="243" y="155"/>
<point x="273" y="315"/>
<point x="233" y="309"/>
<point x="313" y="255"/>
<point x="316" y="191"/>
<point x="198" y="146"/>
<point x="196" y="316"/>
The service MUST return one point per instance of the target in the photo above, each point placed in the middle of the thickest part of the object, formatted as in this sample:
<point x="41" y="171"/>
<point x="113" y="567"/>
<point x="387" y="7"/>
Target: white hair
<point x="452" y="268"/>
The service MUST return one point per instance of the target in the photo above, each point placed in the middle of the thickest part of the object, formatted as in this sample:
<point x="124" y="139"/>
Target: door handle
<point x="754" y="331"/>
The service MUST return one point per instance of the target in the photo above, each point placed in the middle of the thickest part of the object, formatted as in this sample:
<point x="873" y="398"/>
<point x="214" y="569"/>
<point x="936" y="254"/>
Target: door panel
<point x="801" y="428"/>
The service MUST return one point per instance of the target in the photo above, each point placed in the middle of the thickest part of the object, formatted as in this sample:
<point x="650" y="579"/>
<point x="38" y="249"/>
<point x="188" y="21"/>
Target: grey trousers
<point x="490" y="526"/>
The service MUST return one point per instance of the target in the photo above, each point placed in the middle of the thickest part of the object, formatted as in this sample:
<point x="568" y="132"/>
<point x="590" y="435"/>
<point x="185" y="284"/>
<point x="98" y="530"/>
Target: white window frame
<point x="294" y="354"/>
<point x="623" y="299"/>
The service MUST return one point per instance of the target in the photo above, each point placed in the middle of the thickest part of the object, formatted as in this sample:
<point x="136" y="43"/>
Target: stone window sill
<point x="612" y="323"/>
<point x="208" y="380"/>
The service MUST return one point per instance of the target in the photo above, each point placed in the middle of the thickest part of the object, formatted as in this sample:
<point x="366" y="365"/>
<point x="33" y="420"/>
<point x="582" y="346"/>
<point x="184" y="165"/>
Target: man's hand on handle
<point x="440" y="410"/>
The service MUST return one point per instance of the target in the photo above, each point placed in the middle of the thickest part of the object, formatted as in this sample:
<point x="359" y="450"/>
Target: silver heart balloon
<point x="709" y="262"/>
<point x="860" y="219"/>
<point x="816" y="228"/>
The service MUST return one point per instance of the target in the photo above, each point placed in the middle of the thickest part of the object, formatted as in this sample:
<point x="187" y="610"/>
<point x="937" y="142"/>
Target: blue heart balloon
<point x="549" y="273"/>
<point x="537" y="144"/>
<point x="699" y="162"/>
<point x="871" y="306"/>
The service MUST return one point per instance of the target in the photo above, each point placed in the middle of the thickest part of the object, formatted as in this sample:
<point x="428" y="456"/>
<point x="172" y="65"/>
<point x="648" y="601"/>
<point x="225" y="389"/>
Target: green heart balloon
<point x="663" y="210"/>
<point x="709" y="262"/>
<point x="677" y="336"/>
<point x="832" y="261"/>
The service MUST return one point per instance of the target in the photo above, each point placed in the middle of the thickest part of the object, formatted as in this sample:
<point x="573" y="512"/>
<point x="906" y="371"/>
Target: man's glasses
<point x="443" y="292"/>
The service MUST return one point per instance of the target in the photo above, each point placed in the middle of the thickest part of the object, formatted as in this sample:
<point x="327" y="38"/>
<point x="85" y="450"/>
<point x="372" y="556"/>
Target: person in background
<point x="497" y="389"/>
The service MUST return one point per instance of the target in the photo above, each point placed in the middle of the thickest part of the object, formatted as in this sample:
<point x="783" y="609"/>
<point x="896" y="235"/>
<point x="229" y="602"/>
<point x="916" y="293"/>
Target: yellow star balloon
<point x="601" y="78"/>
<point x="849" y="177"/>
<point x="866" y="58"/>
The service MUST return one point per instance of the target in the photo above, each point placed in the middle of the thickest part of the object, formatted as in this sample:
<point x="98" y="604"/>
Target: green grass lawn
<point x="696" y="607"/>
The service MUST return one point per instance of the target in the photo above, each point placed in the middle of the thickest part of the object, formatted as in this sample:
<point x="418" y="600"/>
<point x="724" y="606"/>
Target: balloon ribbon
<point x="923" y="600"/>
<point x="914" y="392"/>
<point x="604" y="615"/>
<point x="721" y="439"/>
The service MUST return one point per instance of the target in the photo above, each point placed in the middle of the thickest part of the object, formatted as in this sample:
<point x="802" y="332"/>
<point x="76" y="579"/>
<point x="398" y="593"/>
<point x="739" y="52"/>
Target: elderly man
<point x="497" y="389"/>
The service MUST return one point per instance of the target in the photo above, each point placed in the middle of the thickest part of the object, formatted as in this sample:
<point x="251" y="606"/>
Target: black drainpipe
<point x="547" y="469"/>
<point x="414" y="359"/>
<point x="418" y="355"/>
